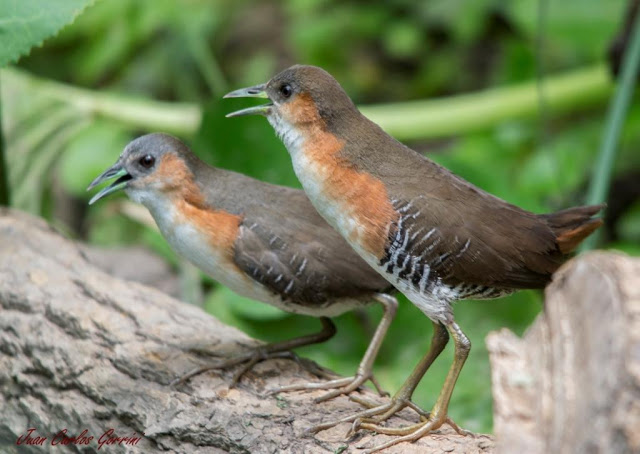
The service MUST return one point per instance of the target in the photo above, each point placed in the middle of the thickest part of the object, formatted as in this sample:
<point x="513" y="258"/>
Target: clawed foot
<point x="339" y="386"/>
<point x="249" y="359"/>
<point x="380" y="412"/>
<point x="268" y="351"/>
<point x="376" y="414"/>
<point x="408" y="433"/>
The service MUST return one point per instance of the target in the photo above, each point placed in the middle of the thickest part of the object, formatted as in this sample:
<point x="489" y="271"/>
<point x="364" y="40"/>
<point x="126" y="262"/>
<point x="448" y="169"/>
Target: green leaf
<point x="27" y="23"/>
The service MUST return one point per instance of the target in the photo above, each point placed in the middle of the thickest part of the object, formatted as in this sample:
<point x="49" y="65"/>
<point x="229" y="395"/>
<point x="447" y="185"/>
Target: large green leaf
<point x="27" y="23"/>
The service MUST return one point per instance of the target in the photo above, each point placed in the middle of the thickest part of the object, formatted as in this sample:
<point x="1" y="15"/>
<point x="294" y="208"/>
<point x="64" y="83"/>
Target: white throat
<point x="288" y="133"/>
<point x="314" y="177"/>
<point x="160" y="207"/>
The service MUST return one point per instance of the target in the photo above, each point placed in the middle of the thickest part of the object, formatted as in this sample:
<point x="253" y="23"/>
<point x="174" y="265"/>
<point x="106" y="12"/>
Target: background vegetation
<point x="510" y="95"/>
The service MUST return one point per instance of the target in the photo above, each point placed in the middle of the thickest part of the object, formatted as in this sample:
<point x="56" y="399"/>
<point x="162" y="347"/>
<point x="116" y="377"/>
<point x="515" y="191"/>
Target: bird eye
<point x="147" y="161"/>
<point x="286" y="90"/>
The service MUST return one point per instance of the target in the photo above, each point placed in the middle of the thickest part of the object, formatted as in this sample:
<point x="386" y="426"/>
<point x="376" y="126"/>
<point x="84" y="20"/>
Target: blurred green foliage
<point x="382" y="52"/>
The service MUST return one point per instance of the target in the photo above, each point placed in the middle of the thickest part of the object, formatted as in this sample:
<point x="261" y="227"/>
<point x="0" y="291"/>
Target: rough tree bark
<point x="572" y="384"/>
<point x="80" y="349"/>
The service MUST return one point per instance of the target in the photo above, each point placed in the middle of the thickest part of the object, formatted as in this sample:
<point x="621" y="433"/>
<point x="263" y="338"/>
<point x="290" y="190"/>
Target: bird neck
<point x="353" y="202"/>
<point x="191" y="221"/>
<point x="173" y="184"/>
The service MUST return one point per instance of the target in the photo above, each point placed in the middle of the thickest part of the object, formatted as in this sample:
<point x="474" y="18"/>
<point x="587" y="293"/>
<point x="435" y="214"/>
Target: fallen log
<point x="84" y="354"/>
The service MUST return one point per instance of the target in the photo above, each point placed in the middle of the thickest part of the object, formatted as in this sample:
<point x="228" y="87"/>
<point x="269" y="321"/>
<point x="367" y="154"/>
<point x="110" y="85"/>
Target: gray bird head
<point x="147" y="164"/>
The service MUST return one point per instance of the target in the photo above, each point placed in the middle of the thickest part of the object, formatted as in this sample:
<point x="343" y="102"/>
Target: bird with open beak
<point x="436" y="237"/>
<point x="263" y="241"/>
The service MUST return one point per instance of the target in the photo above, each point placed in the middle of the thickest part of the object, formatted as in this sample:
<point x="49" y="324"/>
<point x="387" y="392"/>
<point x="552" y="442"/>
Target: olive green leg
<point x="438" y="415"/>
<point x="347" y="385"/>
<point x="402" y="398"/>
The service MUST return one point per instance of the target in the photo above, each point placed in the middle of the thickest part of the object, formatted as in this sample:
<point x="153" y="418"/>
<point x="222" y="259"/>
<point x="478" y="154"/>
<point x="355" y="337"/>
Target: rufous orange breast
<point x="357" y="201"/>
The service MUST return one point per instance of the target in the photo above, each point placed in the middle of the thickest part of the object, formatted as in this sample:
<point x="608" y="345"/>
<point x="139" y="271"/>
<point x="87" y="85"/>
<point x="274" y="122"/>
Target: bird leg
<point x="438" y="415"/>
<point x="402" y="399"/>
<point x="264" y="352"/>
<point x="347" y="385"/>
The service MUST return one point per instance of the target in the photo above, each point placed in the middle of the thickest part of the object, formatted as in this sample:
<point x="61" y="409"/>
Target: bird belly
<point x="201" y="246"/>
<point x="435" y="302"/>
<point x="337" y="213"/>
<point x="353" y="203"/>
<point x="189" y="240"/>
<point x="189" y="243"/>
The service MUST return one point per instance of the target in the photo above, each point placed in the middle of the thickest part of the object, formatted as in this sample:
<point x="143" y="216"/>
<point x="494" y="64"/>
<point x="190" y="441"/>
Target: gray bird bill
<point x="257" y="91"/>
<point x="115" y="171"/>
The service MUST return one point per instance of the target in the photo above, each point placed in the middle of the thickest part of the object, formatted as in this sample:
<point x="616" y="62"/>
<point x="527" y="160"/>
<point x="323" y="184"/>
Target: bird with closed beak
<point x="263" y="241"/>
<point x="436" y="237"/>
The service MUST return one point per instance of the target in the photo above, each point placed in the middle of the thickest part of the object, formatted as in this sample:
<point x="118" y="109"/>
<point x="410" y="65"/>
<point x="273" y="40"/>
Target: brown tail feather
<point x="573" y="225"/>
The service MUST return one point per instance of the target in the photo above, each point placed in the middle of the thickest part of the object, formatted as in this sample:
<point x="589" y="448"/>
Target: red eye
<point x="147" y="161"/>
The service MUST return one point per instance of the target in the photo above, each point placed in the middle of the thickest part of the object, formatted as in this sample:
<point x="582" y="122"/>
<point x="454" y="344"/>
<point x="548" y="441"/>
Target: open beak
<point x="115" y="171"/>
<point x="252" y="92"/>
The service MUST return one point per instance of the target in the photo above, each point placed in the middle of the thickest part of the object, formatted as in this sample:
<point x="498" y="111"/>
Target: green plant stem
<point x="4" y="174"/>
<point x="461" y="114"/>
<point x="543" y="15"/>
<point x="599" y="188"/>
<point x="140" y="113"/>
<point x="406" y="121"/>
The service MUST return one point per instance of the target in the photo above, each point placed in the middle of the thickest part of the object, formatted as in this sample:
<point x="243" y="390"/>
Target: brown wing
<point x="284" y="244"/>
<point x="449" y="230"/>
<point x="462" y="235"/>
<point x="429" y="237"/>
<point x="303" y="263"/>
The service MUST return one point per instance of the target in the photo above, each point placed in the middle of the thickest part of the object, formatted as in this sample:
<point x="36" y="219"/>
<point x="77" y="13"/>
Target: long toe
<point x="339" y="386"/>
<point x="349" y="419"/>
<point x="405" y="434"/>
<point x="397" y="405"/>
<point x="354" y="383"/>
<point x="188" y="376"/>
<point x="459" y="430"/>
<point x="311" y="386"/>
<point x="374" y="415"/>
<point x="364" y="402"/>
